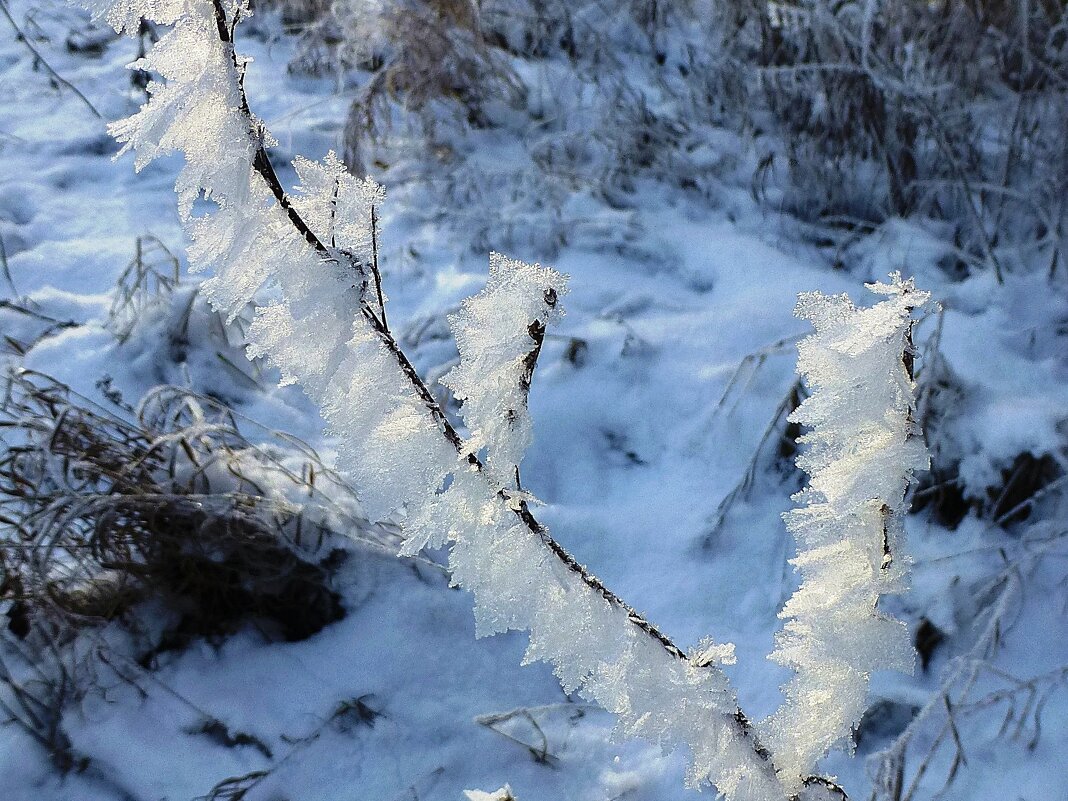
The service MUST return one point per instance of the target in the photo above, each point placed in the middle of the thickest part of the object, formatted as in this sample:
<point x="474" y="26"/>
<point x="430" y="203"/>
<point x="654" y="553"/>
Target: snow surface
<point x="637" y="439"/>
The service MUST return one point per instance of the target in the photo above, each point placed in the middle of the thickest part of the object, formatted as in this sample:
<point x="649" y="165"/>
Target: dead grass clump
<point x="127" y="533"/>
<point x="949" y="110"/>
<point x="428" y="58"/>
<point x="101" y="513"/>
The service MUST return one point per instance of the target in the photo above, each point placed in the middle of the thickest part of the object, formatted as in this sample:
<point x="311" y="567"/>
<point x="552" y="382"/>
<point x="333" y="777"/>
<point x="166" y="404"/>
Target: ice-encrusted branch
<point x="499" y="333"/>
<point x="327" y="332"/>
<point x="862" y="448"/>
<point x="395" y="442"/>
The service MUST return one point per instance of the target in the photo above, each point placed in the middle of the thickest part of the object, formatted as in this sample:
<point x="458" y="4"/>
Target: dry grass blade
<point x="154" y="271"/>
<point x="784" y="450"/>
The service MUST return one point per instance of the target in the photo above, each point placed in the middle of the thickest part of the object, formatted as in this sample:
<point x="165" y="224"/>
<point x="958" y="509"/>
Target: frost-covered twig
<point x="499" y="333"/>
<point x="328" y="333"/>
<point x="862" y="449"/>
<point x="1005" y="592"/>
<point x="395" y="441"/>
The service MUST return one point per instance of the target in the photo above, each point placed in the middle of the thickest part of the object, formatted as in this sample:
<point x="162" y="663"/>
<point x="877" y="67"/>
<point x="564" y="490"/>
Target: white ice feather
<point x="861" y="450"/>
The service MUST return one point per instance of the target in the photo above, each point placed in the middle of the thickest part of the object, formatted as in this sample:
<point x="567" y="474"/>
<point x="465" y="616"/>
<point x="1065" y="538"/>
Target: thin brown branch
<point x="374" y="268"/>
<point x="263" y="166"/>
<point x="261" y="162"/>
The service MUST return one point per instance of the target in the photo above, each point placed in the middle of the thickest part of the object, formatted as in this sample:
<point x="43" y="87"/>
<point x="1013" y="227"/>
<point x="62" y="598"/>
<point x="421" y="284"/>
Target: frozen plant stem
<point x="58" y="79"/>
<point x="328" y="332"/>
<point x="499" y="333"/>
<point x="263" y="166"/>
<point x="862" y="449"/>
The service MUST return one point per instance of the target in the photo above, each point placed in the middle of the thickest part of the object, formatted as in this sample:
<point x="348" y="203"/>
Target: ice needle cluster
<point x="503" y="794"/>
<point x="499" y="333"/>
<point x="861" y="449"/>
<point x="307" y="263"/>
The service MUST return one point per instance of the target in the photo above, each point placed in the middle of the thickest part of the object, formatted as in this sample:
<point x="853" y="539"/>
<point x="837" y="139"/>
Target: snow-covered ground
<point x="649" y="402"/>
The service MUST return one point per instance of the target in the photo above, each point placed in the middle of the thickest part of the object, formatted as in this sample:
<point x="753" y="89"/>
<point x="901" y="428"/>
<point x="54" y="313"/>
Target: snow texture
<point x="862" y="448"/>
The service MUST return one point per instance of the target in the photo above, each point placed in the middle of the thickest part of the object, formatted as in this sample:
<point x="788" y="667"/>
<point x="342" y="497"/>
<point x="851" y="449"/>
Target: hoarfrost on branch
<point x="305" y="261"/>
